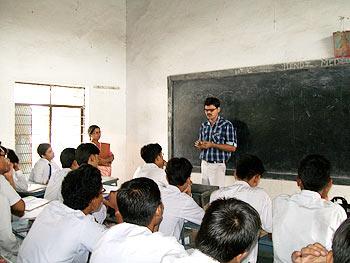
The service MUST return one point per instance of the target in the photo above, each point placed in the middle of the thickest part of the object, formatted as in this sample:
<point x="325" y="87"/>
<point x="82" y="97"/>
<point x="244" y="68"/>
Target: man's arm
<point x="223" y="147"/>
<point x="18" y="208"/>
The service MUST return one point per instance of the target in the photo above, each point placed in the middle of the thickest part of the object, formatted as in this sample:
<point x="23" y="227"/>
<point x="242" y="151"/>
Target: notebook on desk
<point x="33" y="187"/>
<point x="32" y="203"/>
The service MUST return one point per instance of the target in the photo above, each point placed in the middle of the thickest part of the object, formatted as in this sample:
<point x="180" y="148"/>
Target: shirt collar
<point x="241" y="182"/>
<point x="203" y="257"/>
<point x="217" y="121"/>
<point x="173" y="188"/>
<point x="310" y="193"/>
<point x="150" y="165"/>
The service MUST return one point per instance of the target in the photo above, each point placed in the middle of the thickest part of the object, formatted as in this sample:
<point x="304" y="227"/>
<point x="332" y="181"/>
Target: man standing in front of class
<point x="217" y="140"/>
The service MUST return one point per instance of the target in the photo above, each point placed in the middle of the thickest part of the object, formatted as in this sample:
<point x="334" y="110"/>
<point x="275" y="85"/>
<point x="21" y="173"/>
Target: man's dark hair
<point x="212" y="101"/>
<point x="150" y="152"/>
<point x="83" y="152"/>
<point x="341" y="243"/>
<point x="67" y="157"/>
<point x="138" y="200"/>
<point x="3" y="149"/>
<point x="314" y="172"/>
<point x="92" y="128"/>
<point x="12" y="156"/>
<point x="248" y="166"/>
<point x="42" y="148"/>
<point x="178" y="170"/>
<point x="229" y="228"/>
<point x="81" y="186"/>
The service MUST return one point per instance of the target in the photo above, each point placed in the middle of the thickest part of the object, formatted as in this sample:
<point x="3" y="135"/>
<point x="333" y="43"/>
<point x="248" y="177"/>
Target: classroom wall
<point x="167" y="37"/>
<point x="67" y="42"/>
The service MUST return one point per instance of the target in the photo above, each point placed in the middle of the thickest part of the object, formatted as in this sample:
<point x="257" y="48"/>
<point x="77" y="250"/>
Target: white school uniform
<point x="21" y="181"/>
<point x="8" y="242"/>
<point x="134" y="244"/>
<point x="302" y="219"/>
<point x="151" y="171"/>
<point x="41" y="170"/>
<point x="178" y="207"/>
<point x="7" y="190"/>
<point x="195" y="257"/>
<point x="54" y="186"/>
<point x="257" y="198"/>
<point x="60" y="234"/>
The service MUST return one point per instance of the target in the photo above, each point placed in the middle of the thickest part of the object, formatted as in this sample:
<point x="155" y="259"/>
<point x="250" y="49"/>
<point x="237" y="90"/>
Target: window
<point x="47" y="113"/>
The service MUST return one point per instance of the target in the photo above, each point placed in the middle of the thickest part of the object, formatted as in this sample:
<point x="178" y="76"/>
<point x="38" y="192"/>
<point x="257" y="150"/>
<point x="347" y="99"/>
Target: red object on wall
<point x="341" y="41"/>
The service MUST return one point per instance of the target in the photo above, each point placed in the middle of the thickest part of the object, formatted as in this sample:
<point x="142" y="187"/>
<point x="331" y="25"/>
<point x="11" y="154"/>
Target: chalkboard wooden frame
<point x="322" y="63"/>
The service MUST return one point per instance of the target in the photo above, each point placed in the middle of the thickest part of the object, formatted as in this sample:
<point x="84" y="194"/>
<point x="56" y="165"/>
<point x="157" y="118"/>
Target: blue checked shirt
<point x="222" y="132"/>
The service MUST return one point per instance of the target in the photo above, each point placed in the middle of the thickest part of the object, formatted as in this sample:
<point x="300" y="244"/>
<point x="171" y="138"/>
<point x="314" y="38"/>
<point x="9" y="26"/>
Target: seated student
<point x="67" y="232"/>
<point x="249" y="169"/>
<point x="340" y="252"/>
<point x="8" y="242"/>
<point x="135" y="237"/>
<point x="19" y="179"/>
<point x="229" y="229"/>
<point x="306" y="217"/>
<point x="178" y="204"/>
<point x="88" y="153"/>
<point x="45" y="167"/>
<point x="15" y="201"/>
<point x="154" y="163"/>
<point x="53" y="189"/>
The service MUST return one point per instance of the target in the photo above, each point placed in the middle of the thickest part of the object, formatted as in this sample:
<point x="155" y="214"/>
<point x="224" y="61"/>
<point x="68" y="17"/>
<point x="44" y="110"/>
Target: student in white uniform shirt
<point x="340" y="252"/>
<point x="45" y="167"/>
<point x="68" y="162"/>
<point x="249" y="170"/>
<point x="15" y="201"/>
<point x="154" y="163"/>
<point x="135" y="238"/>
<point x="229" y="229"/>
<point x="178" y="203"/>
<point x="19" y="179"/>
<point x="306" y="217"/>
<point x="67" y="232"/>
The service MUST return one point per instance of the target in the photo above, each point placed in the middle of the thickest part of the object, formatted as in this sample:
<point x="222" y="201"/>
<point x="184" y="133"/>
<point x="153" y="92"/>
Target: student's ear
<point x="219" y="109"/>
<point x="325" y="191"/>
<point x="300" y="183"/>
<point x="239" y="258"/>
<point x="329" y="257"/>
<point x="74" y="165"/>
<point x="159" y="214"/>
<point x="254" y="181"/>
<point x="118" y="217"/>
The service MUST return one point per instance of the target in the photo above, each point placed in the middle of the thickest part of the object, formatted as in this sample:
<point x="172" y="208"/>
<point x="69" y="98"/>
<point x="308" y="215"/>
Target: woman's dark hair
<point x="81" y="186"/>
<point x="92" y="128"/>
<point x="138" y="200"/>
<point x="230" y="227"/>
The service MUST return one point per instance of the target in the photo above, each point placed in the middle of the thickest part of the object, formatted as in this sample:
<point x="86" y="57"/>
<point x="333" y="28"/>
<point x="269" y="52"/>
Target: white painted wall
<point x="70" y="43"/>
<point x="167" y="37"/>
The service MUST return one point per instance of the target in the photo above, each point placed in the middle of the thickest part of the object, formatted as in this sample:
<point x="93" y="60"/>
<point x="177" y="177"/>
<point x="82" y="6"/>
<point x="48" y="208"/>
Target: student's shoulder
<point x="282" y="198"/>
<point x="261" y="192"/>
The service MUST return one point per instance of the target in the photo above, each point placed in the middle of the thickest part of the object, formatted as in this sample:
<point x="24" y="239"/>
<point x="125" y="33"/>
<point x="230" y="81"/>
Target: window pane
<point x="66" y="129"/>
<point x="40" y="129"/>
<point x="67" y="96"/>
<point x="34" y="94"/>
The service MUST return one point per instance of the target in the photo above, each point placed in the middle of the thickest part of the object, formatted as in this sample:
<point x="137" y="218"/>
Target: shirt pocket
<point x="217" y="137"/>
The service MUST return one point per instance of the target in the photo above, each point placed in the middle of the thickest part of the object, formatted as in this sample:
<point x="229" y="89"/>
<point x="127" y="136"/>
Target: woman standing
<point x="105" y="159"/>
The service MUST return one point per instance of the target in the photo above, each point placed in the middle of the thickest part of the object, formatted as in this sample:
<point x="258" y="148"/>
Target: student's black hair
<point x="314" y="172"/>
<point x="138" y="200"/>
<point x="92" y="128"/>
<point x="84" y="151"/>
<point x="3" y="149"/>
<point x="150" y="152"/>
<point x="81" y="186"/>
<point x="178" y="170"/>
<point x="341" y="243"/>
<point x="42" y="148"/>
<point x="67" y="157"/>
<point x="212" y="101"/>
<point x="230" y="227"/>
<point x="248" y="166"/>
<point x="12" y="156"/>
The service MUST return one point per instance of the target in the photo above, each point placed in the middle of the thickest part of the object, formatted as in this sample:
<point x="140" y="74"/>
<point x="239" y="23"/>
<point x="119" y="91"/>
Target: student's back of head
<point x="150" y="152"/>
<point x="84" y="151"/>
<point x="67" y="157"/>
<point x="178" y="170"/>
<point x="82" y="186"/>
<point x="230" y="227"/>
<point x="12" y="156"/>
<point x="341" y="243"/>
<point x="314" y="172"/>
<point x="138" y="200"/>
<point x="248" y="166"/>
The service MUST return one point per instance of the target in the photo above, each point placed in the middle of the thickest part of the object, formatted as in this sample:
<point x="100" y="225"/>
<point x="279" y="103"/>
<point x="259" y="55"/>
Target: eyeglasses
<point x="210" y="110"/>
